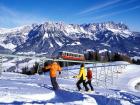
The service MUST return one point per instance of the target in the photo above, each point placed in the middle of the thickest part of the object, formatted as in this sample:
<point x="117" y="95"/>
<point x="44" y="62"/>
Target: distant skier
<point x="82" y="78"/>
<point x="53" y="68"/>
<point x="89" y="78"/>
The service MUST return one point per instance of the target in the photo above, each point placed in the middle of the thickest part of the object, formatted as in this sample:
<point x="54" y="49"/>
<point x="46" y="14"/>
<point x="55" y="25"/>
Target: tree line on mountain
<point x="110" y="57"/>
<point x="136" y="61"/>
<point x="107" y="56"/>
<point x="32" y="70"/>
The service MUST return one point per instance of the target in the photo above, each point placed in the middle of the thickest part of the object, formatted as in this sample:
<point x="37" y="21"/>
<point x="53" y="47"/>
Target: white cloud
<point x="118" y="5"/>
<point x="95" y="8"/>
<point x="13" y="18"/>
<point x="117" y="12"/>
<point x="6" y="10"/>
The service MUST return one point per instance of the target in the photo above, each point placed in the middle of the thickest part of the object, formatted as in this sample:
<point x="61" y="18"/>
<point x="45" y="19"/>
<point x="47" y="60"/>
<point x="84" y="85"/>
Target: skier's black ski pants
<point x="54" y="83"/>
<point x="84" y="84"/>
<point x="89" y="82"/>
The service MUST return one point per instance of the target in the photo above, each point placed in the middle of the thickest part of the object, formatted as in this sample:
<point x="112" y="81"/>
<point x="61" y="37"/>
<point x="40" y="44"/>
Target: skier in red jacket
<point x="89" y="78"/>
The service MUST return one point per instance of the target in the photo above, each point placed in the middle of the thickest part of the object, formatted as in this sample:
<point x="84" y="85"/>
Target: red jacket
<point x="89" y="75"/>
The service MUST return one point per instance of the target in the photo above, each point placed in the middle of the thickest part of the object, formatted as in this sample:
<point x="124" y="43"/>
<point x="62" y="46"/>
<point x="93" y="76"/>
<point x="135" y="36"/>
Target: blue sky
<point x="15" y="13"/>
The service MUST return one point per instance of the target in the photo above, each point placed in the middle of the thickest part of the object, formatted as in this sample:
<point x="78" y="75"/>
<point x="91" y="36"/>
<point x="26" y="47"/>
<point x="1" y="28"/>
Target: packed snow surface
<point x="19" y="89"/>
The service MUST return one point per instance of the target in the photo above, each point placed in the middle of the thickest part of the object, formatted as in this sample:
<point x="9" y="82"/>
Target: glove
<point x="74" y="76"/>
<point x="59" y="72"/>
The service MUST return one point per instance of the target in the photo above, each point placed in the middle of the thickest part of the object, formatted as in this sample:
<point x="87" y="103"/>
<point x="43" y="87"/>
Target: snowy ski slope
<point x="18" y="89"/>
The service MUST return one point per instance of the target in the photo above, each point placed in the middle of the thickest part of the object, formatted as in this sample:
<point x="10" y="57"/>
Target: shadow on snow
<point x="61" y="96"/>
<point x="108" y="100"/>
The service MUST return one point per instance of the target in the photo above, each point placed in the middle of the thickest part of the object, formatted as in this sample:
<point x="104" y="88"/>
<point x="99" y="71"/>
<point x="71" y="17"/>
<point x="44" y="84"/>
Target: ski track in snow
<point x="17" y="89"/>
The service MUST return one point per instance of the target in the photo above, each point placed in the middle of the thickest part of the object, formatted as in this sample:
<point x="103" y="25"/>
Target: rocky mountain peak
<point x="51" y="37"/>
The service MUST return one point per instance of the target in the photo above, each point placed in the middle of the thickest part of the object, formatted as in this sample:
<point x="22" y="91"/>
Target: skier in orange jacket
<point x="54" y="67"/>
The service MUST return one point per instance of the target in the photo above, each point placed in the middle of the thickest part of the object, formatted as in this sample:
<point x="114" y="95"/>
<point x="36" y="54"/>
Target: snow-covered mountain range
<point x="50" y="37"/>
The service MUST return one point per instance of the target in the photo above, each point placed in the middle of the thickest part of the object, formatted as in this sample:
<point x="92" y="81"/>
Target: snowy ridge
<point x="11" y="38"/>
<point x="13" y="30"/>
<point x="52" y="37"/>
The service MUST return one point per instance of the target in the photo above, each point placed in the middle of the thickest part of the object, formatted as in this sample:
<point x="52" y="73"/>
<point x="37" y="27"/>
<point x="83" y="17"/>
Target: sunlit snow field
<point x="18" y="89"/>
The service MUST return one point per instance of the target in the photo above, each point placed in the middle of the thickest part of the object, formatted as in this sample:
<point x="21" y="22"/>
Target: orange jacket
<point x="53" y="68"/>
